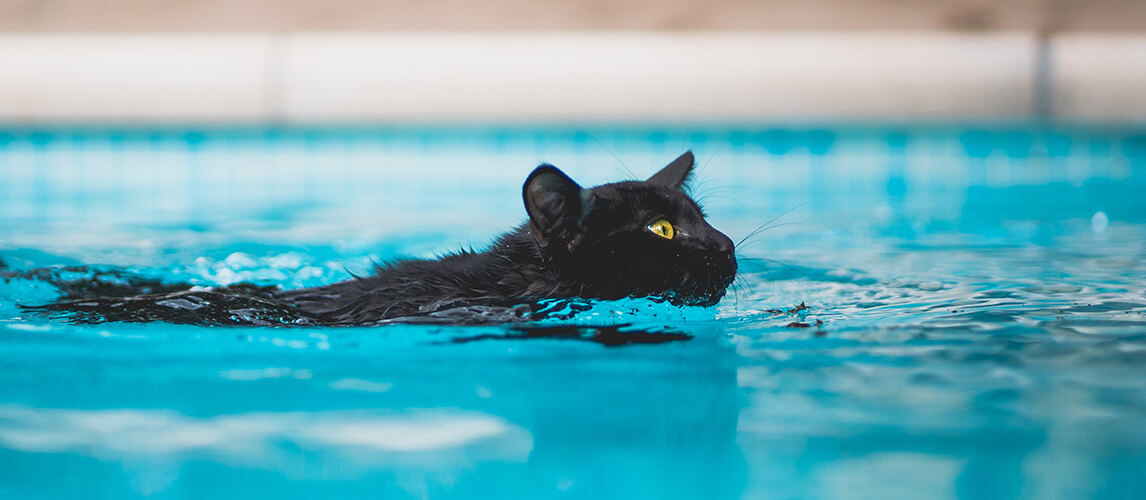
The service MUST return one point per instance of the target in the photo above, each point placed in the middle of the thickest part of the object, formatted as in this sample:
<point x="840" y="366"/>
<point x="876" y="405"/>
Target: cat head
<point x="630" y="238"/>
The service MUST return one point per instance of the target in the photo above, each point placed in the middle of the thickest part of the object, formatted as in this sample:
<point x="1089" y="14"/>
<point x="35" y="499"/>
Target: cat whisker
<point x="777" y="262"/>
<point x="701" y="200"/>
<point x="760" y="230"/>
<point x="707" y="171"/>
<point x="620" y="164"/>
<point x="742" y="282"/>
<point x="760" y="268"/>
<point x="736" y="295"/>
<point x="756" y="238"/>
<point x="738" y="289"/>
<point x="714" y="189"/>
<point x="765" y="225"/>
<point x="701" y="194"/>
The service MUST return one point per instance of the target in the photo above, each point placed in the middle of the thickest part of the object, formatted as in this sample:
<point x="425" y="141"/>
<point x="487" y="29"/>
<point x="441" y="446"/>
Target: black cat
<point x="624" y="239"/>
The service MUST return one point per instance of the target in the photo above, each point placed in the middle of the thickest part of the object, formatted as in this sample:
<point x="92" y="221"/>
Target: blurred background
<point x="671" y="15"/>
<point x="345" y="61"/>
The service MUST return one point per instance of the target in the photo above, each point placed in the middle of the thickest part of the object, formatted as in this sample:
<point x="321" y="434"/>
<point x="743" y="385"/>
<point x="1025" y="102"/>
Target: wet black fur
<point x="589" y="243"/>
<point x="578" y="243"/>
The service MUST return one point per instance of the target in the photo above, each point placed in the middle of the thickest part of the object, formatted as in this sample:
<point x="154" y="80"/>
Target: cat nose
<point x="722" y="243"/>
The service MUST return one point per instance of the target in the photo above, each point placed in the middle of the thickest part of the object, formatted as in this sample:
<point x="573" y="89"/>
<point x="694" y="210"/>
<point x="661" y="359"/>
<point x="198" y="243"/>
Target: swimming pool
<point x="973" y="324"/>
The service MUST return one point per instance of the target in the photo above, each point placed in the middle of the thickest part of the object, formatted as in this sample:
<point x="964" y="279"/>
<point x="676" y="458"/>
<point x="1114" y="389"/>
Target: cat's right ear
<point x="677" y="173"/>
<point x="554" y="203"/>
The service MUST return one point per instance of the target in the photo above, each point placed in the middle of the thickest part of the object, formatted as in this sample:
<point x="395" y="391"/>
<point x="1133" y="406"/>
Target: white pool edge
<point x="569" y="77"/>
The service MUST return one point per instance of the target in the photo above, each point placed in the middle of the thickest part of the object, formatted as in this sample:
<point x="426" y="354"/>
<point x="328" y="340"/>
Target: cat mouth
<point x="706" y="295"/>
<point x="696" y="300"/>
<point x="706" y="300"/>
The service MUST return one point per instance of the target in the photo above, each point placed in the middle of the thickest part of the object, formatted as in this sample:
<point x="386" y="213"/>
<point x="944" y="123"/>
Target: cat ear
<point x="675" y="174"/>
<point x="554" y="203"/>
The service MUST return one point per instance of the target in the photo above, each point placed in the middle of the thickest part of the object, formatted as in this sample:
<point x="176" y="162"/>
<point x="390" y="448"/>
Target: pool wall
<point x="571" y="77"/>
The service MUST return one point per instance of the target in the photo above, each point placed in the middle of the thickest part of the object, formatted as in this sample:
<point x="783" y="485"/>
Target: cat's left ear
<point x="677" y="173"/>
<point x="555" y="204"/>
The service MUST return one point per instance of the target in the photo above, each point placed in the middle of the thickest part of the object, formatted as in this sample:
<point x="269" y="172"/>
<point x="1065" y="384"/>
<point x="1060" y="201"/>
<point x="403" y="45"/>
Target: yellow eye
<point x="661" y="228"/>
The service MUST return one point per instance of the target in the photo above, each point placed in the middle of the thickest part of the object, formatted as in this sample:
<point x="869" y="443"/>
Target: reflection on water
<point x="513" y="418"/>
<point x="247" y="439"/>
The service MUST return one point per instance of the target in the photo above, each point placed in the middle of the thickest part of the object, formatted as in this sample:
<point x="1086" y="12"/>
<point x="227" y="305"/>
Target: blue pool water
<point x="974" y="324"/>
